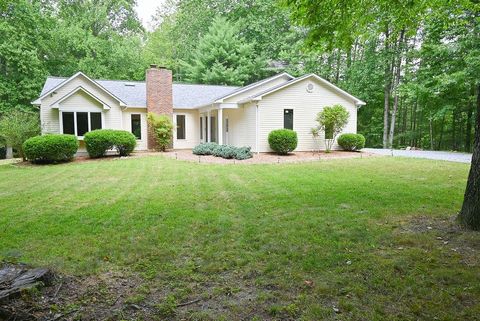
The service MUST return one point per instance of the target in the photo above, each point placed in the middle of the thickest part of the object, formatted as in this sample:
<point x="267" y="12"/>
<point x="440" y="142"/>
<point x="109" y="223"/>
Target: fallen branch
<point x="187" y="303"/>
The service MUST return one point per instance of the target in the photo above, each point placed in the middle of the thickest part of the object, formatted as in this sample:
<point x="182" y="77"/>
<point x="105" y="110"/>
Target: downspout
<point x="256" y="128"/>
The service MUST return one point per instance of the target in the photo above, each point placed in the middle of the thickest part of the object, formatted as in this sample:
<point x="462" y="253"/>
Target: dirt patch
<point x="448" y="234"/>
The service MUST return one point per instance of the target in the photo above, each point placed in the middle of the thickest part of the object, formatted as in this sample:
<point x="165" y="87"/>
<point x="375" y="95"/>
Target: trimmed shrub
<point x="205" y="149"/>
<point x="50" y="148"/>
<point x="224" y="151"/>
<point x="243" y="153"/>
<point x="98" y="142"/>
<point x="282" y="141"/>
<point x="351" y="142"/>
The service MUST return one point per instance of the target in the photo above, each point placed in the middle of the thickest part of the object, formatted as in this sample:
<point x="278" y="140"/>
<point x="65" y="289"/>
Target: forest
<point x="416" y="63"/>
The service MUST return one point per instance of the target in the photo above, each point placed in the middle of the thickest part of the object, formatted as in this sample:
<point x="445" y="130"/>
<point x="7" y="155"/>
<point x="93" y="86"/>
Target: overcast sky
<point x="145" y="10"/>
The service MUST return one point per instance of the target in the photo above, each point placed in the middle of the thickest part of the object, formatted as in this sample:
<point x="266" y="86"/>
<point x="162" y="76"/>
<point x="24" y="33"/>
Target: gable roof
<point x="258" y="96"/>
<point x="84" y="90"/>
<point x="133" y="93"/>
<point x="64" y="81"/>
<point x="253" y="85"/>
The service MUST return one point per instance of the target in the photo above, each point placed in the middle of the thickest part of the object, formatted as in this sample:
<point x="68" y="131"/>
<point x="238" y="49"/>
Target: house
<point x="240" y="116"/>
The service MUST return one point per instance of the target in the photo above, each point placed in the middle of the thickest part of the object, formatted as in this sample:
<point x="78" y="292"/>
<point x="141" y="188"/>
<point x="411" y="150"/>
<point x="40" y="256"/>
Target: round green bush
<point x="99" y="141"/>
<point x="50" y="148"/>
<point x="242" y="153"/>
<point x="351" y="142"/>
<point x="283" y="141"/>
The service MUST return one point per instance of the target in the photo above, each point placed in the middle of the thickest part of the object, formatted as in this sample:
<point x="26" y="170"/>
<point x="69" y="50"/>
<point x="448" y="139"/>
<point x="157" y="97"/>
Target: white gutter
<point x="256" y="128"/>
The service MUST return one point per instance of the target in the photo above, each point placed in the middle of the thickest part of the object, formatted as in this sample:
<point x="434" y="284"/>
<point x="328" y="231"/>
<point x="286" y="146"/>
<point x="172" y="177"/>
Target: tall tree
<point x="223" y="57"/>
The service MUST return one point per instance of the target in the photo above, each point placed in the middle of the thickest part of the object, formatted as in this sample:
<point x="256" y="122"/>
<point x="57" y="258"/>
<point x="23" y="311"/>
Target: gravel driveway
<point x="437" y="155"/>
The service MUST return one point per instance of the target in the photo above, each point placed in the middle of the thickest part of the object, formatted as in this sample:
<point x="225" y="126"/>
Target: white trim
<point x="56" y="104"/>
<point x="256" y="128"/>
<point x="248" y="87"/>
<point x="258" y="97"/>
<point x="63" y="83"/>
<point x="185" y="125"/>
<point x="220" y="126"/>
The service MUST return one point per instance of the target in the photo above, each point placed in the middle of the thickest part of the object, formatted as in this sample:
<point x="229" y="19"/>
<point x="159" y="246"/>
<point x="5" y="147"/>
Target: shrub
<point x="351" y="142"/>
<point x="99" y="141"/>
<point x="205" y="149"/>
<point x="162" y="128"/>
<point x="243" y="153"/>
<point x="283" y="141"/>
<point x="224" y="151"/>
<point x="50" y="148"/>
<point x="16" y="127"/>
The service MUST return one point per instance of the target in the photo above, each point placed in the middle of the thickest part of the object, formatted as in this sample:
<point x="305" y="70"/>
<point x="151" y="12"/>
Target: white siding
<point x="258" y="89"/>
<point x="127" y="125"/>
<point x="241" y="125"/>
<point x="192" y="129"/>
<point x="113" y="118"/>
<point x="305" y="107"/>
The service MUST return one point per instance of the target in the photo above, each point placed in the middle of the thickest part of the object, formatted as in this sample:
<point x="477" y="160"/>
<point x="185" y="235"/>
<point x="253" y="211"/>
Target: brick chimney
<point x="159" y="95"/>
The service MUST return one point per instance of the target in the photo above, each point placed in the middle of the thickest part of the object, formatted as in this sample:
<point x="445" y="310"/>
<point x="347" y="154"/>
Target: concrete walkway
<point x="437" y="155"/>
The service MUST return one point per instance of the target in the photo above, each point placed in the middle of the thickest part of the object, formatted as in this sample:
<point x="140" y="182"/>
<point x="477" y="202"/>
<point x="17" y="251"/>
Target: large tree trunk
<point x="470" y="214"/>
<point x="396" y="83"/>
<point x="387" y="88"/>
<point x="468" y="130"/>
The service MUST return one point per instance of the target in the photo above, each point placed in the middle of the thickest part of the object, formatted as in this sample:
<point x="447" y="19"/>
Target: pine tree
<point x="223" y="57"/>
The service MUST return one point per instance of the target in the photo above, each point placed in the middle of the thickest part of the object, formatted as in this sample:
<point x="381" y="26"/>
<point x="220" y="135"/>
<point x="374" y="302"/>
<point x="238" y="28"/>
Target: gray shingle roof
<point x="185" y="96"/>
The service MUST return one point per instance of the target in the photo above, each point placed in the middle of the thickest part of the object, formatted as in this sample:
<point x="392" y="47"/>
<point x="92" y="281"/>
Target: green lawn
<point x="371" y="237"/>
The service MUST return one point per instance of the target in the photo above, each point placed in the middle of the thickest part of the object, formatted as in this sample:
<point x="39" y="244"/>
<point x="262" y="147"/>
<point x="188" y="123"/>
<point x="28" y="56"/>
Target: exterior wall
<point x="78" y="102"/>
<point x="192" y="129"/>
<point x="258" y="89"/>
<point x="113" y="118"/>
<point x="241" y="126"/>
<point x="127" y="125"/>
<point x="305" y="107"/>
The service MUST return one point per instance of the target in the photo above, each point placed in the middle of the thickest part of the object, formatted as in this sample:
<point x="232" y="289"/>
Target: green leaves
<point x="223" y="57"/>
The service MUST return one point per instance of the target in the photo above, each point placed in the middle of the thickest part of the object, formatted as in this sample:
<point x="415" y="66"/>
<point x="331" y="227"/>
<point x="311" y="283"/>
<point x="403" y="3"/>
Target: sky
<point x="145" y="10"/>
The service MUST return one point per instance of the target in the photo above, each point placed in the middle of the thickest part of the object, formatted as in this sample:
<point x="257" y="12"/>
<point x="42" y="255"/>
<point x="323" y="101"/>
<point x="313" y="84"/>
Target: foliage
<point x="205" y="149"/>
<point x="224" y="151"/>
<point x="223" y="57"/>
<point x="3" y="152"/>
<point x="16" y="127"/>
<point x="351" y="142"/>
<point x="50" y="148"/>
<point x="162" y="127"/>
<point x="242" y="153"/>
<point x="283" y="141"/>
<point x="332" y="120"/>
<point x="99" y="141"/>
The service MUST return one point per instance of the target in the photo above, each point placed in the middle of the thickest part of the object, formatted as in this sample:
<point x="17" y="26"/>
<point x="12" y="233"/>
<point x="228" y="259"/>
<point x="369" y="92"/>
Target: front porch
<point x="214" y="126"/>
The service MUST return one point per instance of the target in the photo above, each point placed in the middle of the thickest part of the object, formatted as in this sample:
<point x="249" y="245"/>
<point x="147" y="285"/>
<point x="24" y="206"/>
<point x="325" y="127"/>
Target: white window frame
<point x="141" y="127"/>
<point x="176" y="126"/>
<point x="75" y="120"/>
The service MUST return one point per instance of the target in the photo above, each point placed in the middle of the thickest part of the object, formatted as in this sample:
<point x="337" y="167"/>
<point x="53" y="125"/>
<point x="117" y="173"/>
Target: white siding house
<point x="240" y="116"/>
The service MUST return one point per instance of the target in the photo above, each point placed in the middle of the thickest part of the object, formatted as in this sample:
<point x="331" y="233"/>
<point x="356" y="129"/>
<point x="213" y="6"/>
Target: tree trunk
<point x="468" y="129"/>
<point x="470" y="214"/>
<point x="386" y="108"/>
<point x="396" y="82"/>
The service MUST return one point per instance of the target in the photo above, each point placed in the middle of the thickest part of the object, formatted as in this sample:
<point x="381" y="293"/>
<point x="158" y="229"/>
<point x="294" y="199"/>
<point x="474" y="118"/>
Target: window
<point x="213" y="136"/>
<point x="136" y="126"/>
<point x="180" y="126"/>
<point x="95" y="121"/>
<point x="80" y="123"/>
<point x="201" y="127"/>
<point x="288" y="119"/>
<point x="68" y="123"/>
<point x="226" y="125"/>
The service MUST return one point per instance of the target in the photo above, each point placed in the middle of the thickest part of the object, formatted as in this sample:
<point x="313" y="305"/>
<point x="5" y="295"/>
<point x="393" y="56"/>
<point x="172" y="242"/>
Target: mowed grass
<point x="357" y="239"/>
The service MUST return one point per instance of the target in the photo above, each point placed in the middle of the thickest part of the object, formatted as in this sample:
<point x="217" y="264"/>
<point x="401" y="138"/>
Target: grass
<point x="358" y="239"/>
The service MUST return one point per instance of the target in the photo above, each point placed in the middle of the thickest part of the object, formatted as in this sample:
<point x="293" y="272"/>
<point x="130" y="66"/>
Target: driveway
<point x="437" y="155"/>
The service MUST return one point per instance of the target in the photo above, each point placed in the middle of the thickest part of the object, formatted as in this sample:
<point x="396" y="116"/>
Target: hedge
<point x="224" y="151"/>
<point x="351" y="142"/>
<point x="283" y="141"/>
<point x="98" y="142"/>
<point x="50" y="148"/>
